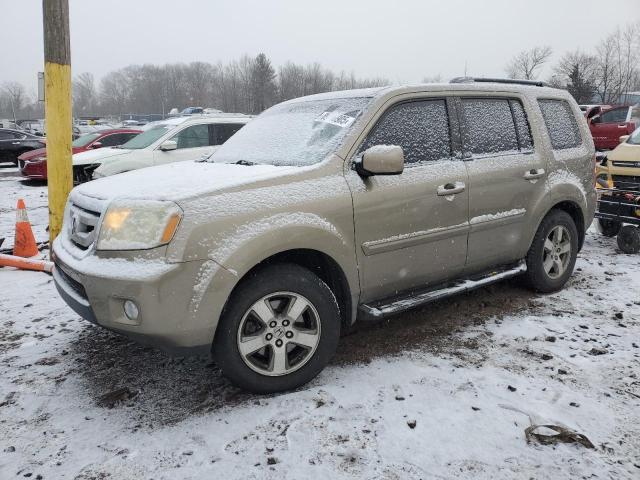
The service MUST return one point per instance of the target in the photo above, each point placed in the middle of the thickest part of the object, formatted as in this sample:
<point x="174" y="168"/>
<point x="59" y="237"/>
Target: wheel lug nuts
<point x="273" y="323"/>
<point x="285" y="323"/>
<point x="278" y="343"/>
<point x="268" y="337"/>
<point x="289" y="334"/>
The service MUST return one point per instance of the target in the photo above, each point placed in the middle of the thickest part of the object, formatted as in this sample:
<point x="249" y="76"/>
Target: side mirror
<point x="168" y="145"/>
<point x="596" y="119"/>
<point x="96" y="145"/>
<point x="623" y="138"/>
<point x="381" y="160"/>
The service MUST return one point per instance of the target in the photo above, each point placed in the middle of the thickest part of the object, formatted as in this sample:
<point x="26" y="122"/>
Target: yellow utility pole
<point x="57" y="96"/>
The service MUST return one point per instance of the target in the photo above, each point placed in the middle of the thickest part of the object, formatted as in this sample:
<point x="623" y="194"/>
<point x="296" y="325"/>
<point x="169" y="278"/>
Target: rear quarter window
<point x="561" y="124"/>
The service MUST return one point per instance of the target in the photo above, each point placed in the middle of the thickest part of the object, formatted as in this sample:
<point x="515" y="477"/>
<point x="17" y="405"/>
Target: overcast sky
<point x="403" y="41"/>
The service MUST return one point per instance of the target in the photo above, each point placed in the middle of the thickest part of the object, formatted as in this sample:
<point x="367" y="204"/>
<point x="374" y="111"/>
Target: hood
<point x="179" y="181"/>
<point x="42" y="152"/>
<point x="98" y="155"/>
<point x="31" y="154"/>
<point x="625" y="152"/>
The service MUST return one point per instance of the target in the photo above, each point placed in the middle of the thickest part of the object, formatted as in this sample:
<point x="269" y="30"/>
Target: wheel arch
<point x="320" y="263"/>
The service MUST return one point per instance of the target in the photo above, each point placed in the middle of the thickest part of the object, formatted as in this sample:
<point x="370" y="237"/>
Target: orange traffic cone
<point x="25" y="243"/>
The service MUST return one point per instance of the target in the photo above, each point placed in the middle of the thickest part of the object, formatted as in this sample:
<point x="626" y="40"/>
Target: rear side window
<point x="561" y="124"/>
<point x="421" y="128"/>
<point x="489" y="126"/>
<point x="223" y="131"/>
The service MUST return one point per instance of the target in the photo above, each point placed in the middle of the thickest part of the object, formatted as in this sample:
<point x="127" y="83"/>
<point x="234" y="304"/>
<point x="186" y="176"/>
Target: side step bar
<point x="382" y="309"/>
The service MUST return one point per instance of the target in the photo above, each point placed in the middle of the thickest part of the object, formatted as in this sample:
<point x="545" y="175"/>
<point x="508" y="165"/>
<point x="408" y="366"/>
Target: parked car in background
<point x="609" y="124"/>
<point x="14" y="143"/>
<point x="622" y="164"/>
<point x="361" y="203"/>
<point x="192" y="111"/>
<point x="172" y="140"/>
<point x="33" y="164"/>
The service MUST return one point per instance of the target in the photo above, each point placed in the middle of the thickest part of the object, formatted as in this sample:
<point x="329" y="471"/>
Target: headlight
<point x="37" y="160"/>
<point x="138" y="224"/>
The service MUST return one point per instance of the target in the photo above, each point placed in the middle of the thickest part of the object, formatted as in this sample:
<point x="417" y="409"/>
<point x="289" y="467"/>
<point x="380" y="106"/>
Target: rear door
<point x="607" y="127"/>
<point x="411" y="232"/>
<point x="506" y="176"/>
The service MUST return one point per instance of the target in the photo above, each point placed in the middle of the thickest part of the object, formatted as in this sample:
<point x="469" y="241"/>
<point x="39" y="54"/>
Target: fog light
<point x="131" y="310"/>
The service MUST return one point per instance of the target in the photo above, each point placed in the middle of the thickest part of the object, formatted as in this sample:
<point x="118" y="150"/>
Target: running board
<point x="382" y="309"/>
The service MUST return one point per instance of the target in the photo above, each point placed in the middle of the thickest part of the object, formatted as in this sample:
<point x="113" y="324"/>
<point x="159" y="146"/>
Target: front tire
<point x="553" y="252"/>
<point x="280" y="328"/>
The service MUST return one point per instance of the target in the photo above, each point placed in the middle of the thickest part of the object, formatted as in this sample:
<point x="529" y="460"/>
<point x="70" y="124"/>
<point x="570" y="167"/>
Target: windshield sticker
<point x="338" y="119"/>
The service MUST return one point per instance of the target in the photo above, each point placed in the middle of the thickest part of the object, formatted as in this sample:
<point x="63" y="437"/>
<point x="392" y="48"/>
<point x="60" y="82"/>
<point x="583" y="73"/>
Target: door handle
<point x="534" y="173"/>
<point x="15" y="143"/>
<point x="622" y="126"/>
<point x="451" y="189"/>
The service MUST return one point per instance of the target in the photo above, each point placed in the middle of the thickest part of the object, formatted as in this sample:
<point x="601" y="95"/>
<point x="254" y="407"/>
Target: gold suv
<point x="330" y="208"/>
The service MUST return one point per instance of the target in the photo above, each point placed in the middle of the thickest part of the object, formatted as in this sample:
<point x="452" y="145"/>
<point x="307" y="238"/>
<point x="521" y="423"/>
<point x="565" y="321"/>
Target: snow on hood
<point x="98" y="155"/>
<point x="177" y="181"/>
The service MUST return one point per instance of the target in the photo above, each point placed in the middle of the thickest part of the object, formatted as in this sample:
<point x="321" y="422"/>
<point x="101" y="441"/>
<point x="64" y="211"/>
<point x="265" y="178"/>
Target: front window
<point x="293" y="134"/>
<point x="634" y="138"/>
<point x="85" y="140"/>
<point x="147" y="138"/>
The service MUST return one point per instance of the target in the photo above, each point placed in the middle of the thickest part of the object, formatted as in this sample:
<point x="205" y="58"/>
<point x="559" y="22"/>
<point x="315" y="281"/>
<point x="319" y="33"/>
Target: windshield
<point x="634" y="138"/>
<point x="293" y="134"/>
<point x="148" y="137"/>
<point x="85" y="140"/>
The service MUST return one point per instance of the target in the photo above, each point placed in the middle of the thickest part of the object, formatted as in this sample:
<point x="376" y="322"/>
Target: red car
<point x="33" y="164"/>
<point x="609" y="124"/>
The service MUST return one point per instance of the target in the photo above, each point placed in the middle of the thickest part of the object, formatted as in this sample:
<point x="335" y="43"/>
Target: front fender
<point x="240" y="249"/>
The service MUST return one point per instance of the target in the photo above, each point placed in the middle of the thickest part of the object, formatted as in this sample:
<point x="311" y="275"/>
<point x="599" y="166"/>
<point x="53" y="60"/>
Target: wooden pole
<point x="57" y="75"/>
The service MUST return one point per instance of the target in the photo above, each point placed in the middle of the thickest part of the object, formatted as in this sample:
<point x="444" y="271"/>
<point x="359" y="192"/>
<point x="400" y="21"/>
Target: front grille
<point x="75" y="285"/>
<point x="82" y="226"/>
<point x="626" y="182"/>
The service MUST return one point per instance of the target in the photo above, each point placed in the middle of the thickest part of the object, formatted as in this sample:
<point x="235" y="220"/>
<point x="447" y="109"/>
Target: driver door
<point x="410" y="232"/>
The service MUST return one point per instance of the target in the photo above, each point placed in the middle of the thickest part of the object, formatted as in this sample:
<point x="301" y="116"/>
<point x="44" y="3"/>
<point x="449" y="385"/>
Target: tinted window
<point x="561" y="124"/>
<point x="617" y="115"/>
<point x="222" y="132"/>
<point x="112" y="140"/>
<point x="489" y="126"/>
<point x="420" y="128"/>
<point x="522" y="126"/>
<point x="193" y="136"/>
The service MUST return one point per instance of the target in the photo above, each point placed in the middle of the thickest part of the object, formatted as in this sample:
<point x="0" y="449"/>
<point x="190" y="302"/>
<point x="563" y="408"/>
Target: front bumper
<point x="96" y="288"/>
<point x="34" y="170"/>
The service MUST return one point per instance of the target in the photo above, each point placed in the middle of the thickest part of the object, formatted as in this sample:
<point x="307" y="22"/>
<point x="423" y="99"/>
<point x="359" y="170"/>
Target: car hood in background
<point x="178" y="181"/>
<point x="42" y="152"/>
<point x="625" y="152"/>
<point x="98" y="155"/>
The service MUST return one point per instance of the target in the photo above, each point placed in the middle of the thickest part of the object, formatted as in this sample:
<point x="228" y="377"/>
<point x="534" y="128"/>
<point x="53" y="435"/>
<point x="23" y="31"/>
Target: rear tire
<point x="608" y="228"/>
<point x="629" y="239"/>
<point x="553" y="252"/>
<point x="285" y="344"/>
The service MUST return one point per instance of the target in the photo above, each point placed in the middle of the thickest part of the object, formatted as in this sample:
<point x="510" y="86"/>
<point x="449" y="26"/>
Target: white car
<point x="166" y="141"/>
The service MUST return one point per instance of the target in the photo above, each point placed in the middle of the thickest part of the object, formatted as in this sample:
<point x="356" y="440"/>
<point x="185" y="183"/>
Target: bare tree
<point x="526" y="64"/>
<point x="84" y="93"/>
<point x="15" y="95"/>
<point x="576" y="71"/>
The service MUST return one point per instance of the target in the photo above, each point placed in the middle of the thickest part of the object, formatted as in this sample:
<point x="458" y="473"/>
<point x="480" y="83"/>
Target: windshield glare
<point x="85" y="140"/>
<point x="293" y="134"/>
<point x="147" y="138"/>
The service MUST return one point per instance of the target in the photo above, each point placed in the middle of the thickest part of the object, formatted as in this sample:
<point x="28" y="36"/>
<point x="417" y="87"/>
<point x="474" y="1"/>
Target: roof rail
<point x="512" y="81"/>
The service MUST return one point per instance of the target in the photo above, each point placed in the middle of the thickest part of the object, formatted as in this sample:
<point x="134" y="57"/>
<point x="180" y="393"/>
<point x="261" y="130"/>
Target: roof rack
<point x="512" y="81"/>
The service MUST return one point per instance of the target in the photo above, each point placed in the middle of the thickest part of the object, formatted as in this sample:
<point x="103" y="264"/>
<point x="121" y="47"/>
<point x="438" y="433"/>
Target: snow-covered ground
<point x="443" y="392"/>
